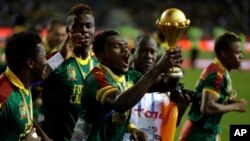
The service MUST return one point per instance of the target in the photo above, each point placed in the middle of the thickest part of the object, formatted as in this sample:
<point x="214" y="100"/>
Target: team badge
<point x="22" y="111"/>
<point x="119" y="118"/>
<point x="71" y="73"/>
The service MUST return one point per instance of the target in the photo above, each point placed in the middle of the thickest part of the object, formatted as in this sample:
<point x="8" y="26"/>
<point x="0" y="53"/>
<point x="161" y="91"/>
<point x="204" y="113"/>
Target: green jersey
<point x="15" y="108"/>
<point x="216" y="80"/>
<point x="107" y="124"/>
<point x="62" y="97"/>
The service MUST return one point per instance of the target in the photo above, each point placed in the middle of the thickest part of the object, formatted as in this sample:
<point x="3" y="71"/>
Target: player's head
<point x="56" y="32"/>
<point x="228" y="50"/>
<point x="81" y="20"/>
<point x="112" y="51"/>
<point x="145" y="53"/>
<point x="25" y="53"/>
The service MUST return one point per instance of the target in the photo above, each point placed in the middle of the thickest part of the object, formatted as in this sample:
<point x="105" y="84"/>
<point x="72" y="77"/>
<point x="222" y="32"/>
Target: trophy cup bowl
<point x="172" y="24"/>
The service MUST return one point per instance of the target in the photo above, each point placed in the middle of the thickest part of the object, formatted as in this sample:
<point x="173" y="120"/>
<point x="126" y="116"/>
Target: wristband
<point x="55" y="60"/>
<point x="130" y="127"/>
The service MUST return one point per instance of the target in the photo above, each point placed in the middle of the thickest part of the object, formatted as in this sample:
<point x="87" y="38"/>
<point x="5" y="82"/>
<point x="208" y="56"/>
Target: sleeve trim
<point x="211" y="91"/>
<point x="108" y="92"/>
<point x="101" y="91"/>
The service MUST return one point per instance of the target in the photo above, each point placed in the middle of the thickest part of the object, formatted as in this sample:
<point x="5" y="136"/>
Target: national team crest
<point x="119" y="118"/>
<point x="22" y="111"/>
<point x="71" y="73"/>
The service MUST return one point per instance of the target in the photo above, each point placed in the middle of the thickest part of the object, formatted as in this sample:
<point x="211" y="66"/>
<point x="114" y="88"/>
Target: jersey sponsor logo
<point x="22" y="111"/>
<point x="77" y="89"/>
<point x="119" y="118"/>
<point x="148" y="113"/>
<point x="75" y="98"/>
<point x="71" y="73"/>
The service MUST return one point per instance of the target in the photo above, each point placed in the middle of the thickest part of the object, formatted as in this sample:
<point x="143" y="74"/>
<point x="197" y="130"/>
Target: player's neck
<point x="25" y="77"/>
<point x="82" y="54"/>
<point x="224" y="63"/>
<point x="51" y="45"/>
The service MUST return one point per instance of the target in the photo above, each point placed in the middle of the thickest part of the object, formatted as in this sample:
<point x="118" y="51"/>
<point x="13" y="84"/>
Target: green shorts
<point x="198" y="134"/>
<point x="192" y="132"/>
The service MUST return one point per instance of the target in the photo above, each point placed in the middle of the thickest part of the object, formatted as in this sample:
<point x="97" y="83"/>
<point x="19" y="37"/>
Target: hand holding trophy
<point x="172" y="24"/>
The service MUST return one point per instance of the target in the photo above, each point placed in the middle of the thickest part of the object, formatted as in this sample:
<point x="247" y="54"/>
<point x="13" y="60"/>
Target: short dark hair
<point x="224" y="42"/>
<point x="75" y="11"/>
<point x="100" y="40"/>
<point x="20" y="47"/>
<point x="80" y="9"/>
<point x="142" y="39"/>
<point x="55" y="22"/>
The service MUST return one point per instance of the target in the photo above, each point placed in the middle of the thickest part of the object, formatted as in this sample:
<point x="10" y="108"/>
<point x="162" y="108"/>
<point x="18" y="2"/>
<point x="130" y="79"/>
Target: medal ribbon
<point x="83" y="74"/>
<point x="28" y="109"/>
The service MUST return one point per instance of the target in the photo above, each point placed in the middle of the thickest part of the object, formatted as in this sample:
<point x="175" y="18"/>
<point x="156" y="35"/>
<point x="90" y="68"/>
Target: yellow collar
<point x="48" y="48"/>
<point x="15" y="81"/>
<point x="217" y="61"/>
<point x="46" y="44"/>
<point x="81" y="61"/>
<point x="115" y="77"/>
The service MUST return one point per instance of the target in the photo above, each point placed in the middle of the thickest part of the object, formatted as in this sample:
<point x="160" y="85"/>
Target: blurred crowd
<point x="140" y="14"/>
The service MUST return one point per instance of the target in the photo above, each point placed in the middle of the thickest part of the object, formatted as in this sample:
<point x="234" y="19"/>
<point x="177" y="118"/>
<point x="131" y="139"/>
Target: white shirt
<point x="147" y="115"/>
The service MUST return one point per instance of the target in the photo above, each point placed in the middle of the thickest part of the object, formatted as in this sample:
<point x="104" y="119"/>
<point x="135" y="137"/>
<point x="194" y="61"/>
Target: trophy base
<point x="175" y="72"/>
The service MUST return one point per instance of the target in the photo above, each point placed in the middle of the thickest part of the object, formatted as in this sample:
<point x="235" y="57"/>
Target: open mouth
<point x="86" y="39"/>
<point x="125" y="61"/>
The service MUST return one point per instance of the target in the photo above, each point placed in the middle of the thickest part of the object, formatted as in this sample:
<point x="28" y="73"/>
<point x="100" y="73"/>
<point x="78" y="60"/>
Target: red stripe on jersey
<point x="100" y="77"/>
<point x="5" y="87"/>
<point x="219" y="75"/>
<point x="218" y="80"/>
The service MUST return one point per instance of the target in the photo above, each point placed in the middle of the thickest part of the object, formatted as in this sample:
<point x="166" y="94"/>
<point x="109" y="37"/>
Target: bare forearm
<point x="133" y="95"/>
<point x="209" y="105"/>
<point x="64" y="50"/>
<point x="217" y="108"/>
<point x="59" y="57"/>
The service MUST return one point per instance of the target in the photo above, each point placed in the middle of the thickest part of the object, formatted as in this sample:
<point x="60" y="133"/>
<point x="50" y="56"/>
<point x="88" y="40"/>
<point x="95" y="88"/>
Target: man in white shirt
<point x="147" y="114"/>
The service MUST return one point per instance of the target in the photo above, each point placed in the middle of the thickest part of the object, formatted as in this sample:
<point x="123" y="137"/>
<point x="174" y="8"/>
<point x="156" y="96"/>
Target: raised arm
<point x="129" y="98"/>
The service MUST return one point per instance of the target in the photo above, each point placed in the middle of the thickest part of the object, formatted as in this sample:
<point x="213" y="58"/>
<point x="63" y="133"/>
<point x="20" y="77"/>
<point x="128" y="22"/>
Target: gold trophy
<point x="172" y="24"/>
